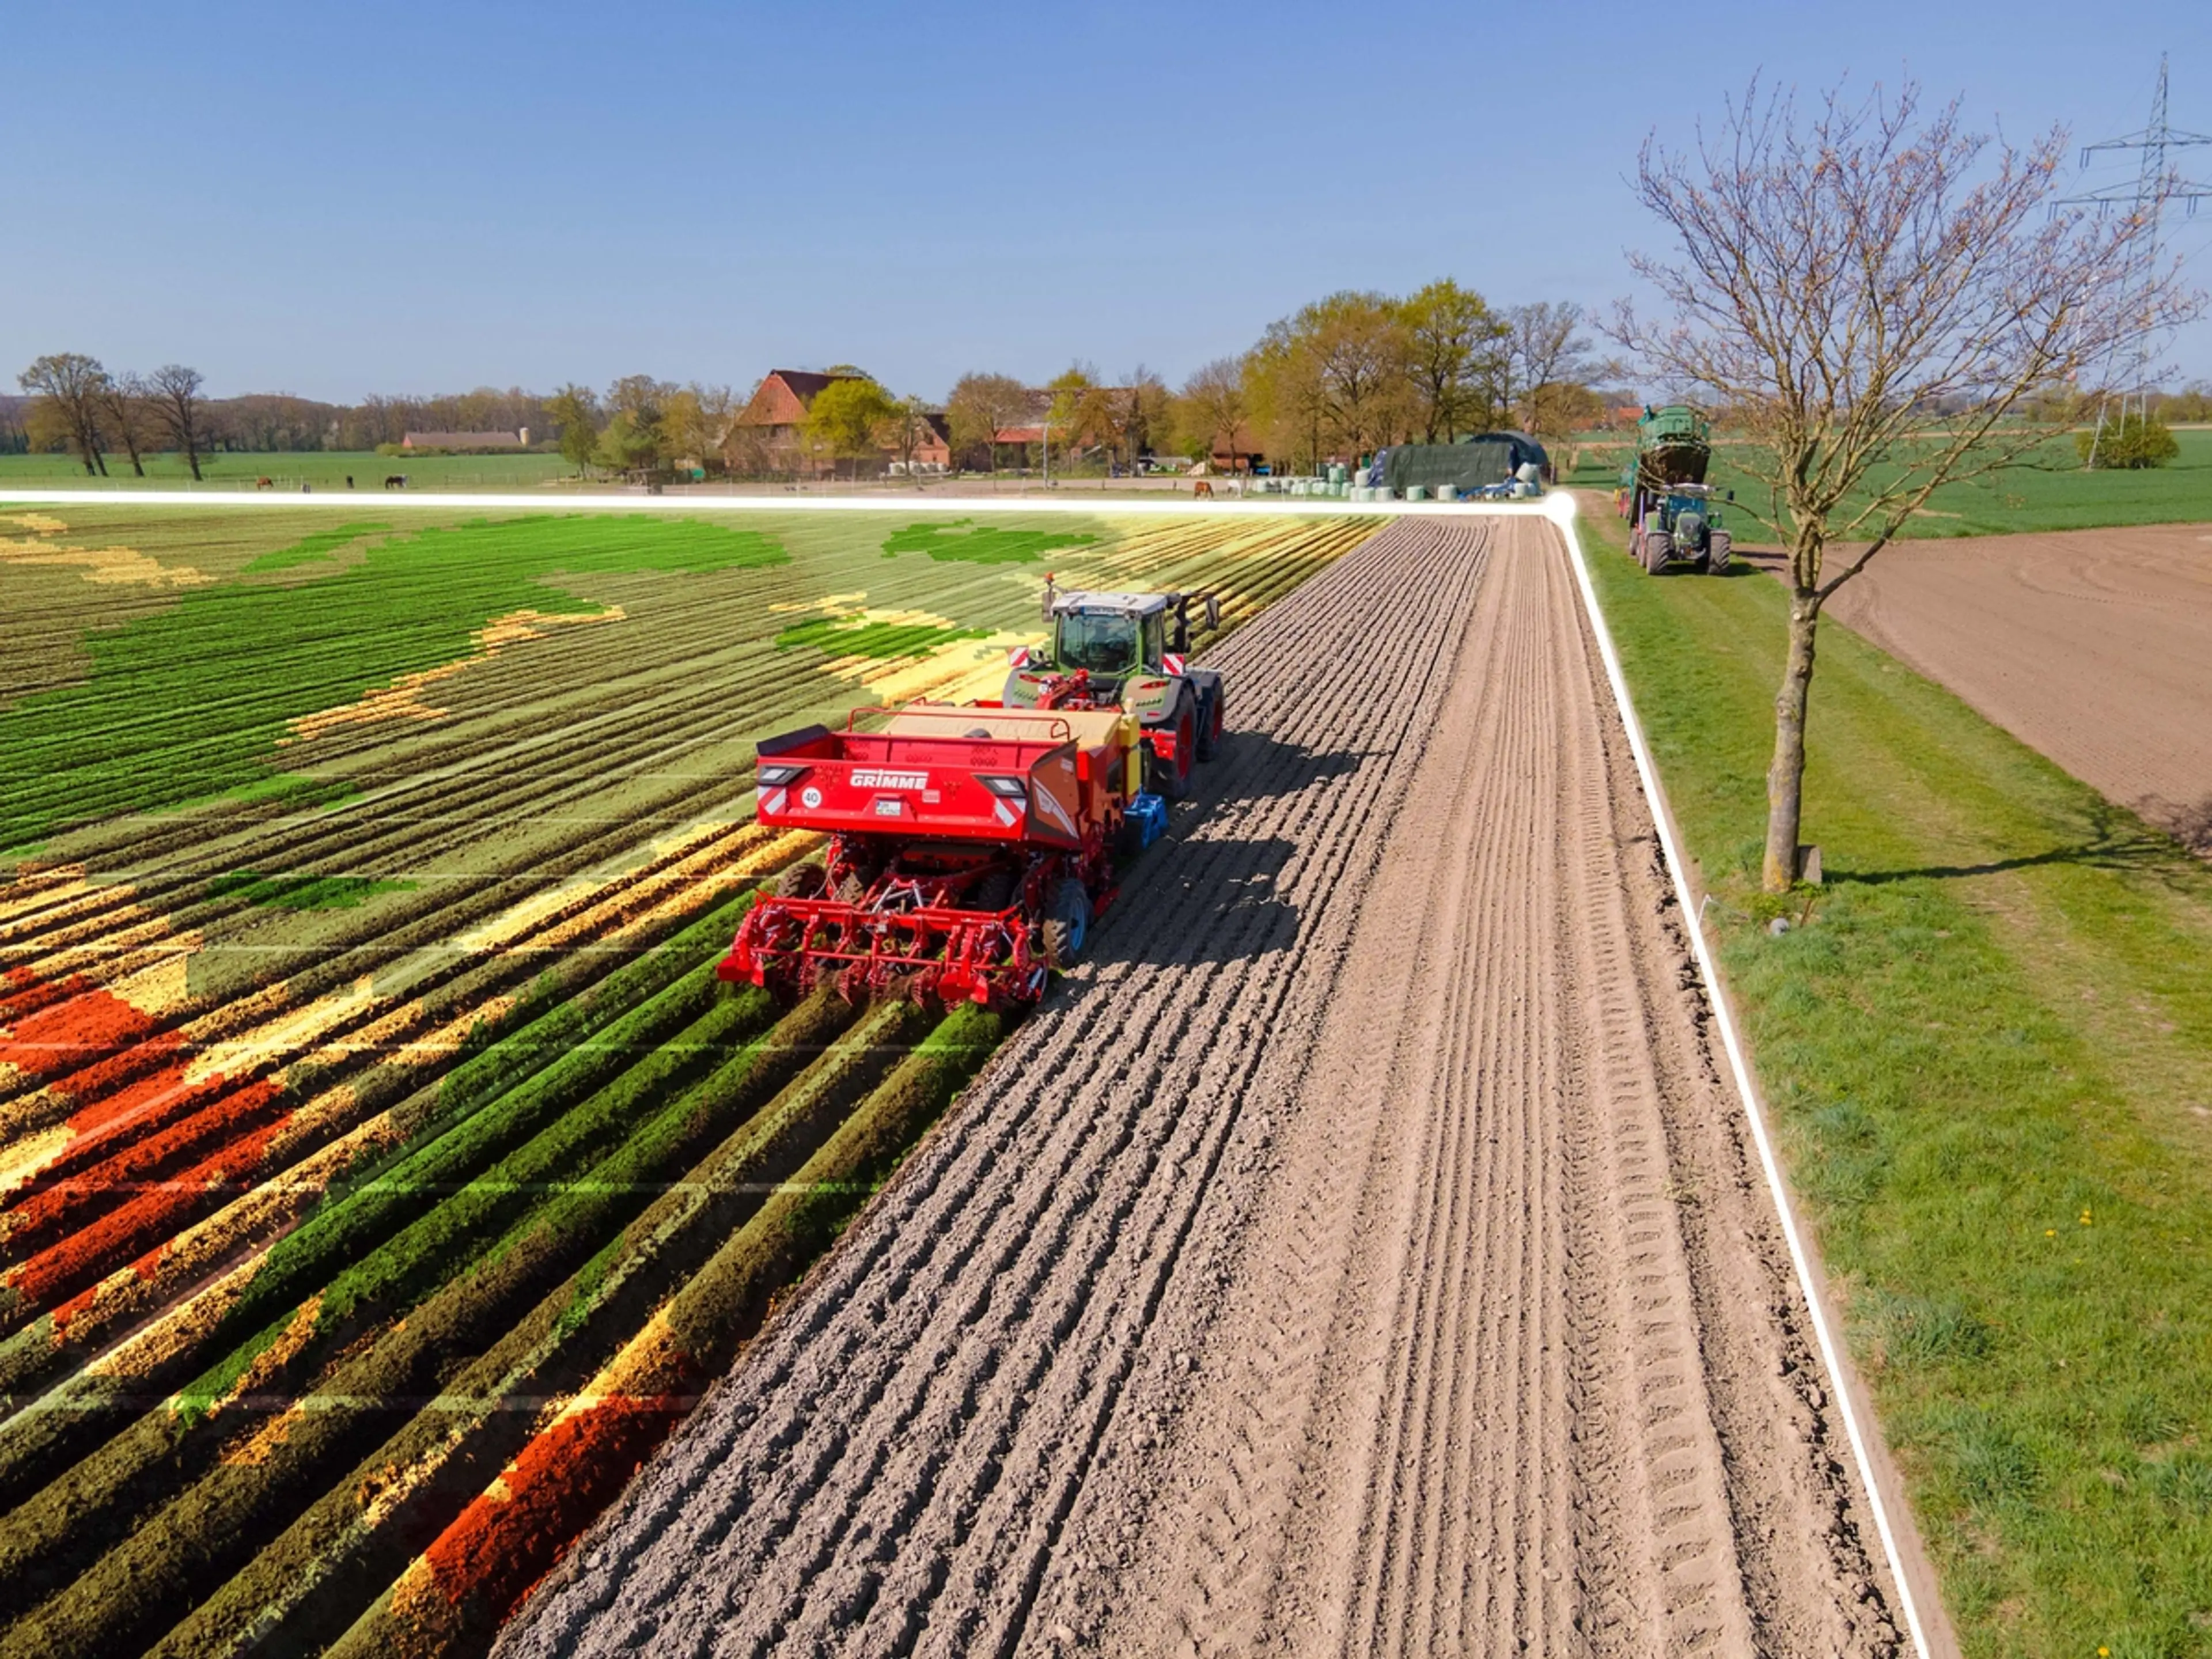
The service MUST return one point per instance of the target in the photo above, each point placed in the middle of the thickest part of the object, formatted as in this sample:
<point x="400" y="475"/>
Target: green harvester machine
<point x="1670" y="508"/>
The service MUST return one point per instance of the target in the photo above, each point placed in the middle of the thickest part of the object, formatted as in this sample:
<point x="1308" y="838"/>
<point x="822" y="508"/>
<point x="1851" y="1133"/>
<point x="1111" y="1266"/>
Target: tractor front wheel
<point x="1658" y="548"/>
<point x="1719" y="549"/>
<point x="1066" y="923"/>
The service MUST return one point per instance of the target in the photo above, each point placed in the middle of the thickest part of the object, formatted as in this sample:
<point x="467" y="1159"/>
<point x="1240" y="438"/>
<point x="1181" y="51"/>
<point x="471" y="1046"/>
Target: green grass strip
<point x="315" y="548"/>
<point x="303" y="892"/>
<point x="387" y="1232"/>
<point x="1988" y="1051"/>
<point x="839" y="637"/>
<point x="969" y="543"/>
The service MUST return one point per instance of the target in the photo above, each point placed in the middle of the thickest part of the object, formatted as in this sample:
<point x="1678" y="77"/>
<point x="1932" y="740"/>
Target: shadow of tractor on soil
<point x="1256" y="767"/>
<point x="1222" y="890"/>
<point x="1226" y="905"/>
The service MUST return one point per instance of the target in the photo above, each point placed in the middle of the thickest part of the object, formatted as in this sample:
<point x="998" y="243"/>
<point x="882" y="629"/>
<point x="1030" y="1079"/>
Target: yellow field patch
<point x="959" y="672"/>
<point x="292" y="1032"/>
<point x="101" y="564"/>
<point x="27" y="1154"/>
<point x="403" y="700"/>
<point x="44" y="523"/>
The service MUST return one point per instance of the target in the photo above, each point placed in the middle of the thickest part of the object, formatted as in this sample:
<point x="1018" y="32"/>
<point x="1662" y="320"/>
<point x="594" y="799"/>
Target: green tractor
<point x="1672" y="512"/>
<point x="1125" y="651"/>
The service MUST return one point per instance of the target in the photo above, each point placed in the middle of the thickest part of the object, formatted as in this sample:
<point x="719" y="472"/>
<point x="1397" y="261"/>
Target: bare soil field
<point x="1360" y="1256"/>
<point x="2093" y="647"/>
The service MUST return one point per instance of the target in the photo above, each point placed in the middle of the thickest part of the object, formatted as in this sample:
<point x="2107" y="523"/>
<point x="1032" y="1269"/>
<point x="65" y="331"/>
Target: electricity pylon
<point x="2158" y="181"/>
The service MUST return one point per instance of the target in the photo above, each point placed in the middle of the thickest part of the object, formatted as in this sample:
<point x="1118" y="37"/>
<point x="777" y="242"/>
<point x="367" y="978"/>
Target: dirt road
<point x="2092" y="646"/>
<point x="1360" y="1257"/>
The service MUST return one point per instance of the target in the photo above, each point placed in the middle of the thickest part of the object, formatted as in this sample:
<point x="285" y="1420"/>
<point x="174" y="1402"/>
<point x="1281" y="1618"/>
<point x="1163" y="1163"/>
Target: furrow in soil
<point x="1313" y="1273"/>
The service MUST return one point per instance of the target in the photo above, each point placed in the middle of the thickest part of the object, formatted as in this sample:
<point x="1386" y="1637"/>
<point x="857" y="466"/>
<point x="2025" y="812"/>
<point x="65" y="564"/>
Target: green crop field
<point x="323" y="471"/>
<point x="362" y="1069"/>
<point x="1990" y="1049"/>
<point x="2051" y="492"/>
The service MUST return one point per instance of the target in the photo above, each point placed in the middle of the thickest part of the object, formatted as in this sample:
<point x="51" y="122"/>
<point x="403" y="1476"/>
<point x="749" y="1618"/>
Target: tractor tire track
<point x="1057" y="1187"/>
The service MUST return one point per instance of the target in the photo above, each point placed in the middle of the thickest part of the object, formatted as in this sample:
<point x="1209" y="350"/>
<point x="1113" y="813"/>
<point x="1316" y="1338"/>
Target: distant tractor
<point x="1670" y="508"/>
<point x="970" y="846"/>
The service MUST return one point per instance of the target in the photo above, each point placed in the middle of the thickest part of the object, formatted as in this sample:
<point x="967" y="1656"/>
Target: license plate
<point x="889" y="807"/>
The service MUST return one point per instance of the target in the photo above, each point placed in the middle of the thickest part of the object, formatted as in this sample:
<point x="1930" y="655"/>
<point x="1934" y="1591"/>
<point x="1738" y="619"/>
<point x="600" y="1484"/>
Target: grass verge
<point x="1989" y="1054"/>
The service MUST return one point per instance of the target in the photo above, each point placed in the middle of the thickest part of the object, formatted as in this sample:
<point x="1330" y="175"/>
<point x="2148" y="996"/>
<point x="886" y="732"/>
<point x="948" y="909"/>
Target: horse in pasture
<point x="264" y="484"/>
<point x="1204" y="487"/>
<point x="395" y="481"/>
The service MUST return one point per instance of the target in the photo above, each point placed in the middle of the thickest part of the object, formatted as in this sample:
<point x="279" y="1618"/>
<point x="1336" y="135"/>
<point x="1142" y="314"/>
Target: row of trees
<point x="1357" y="370"/>
<point x="78" y="405"/>
<point x="639" y="423"/>
<point x="1343" y="376"/>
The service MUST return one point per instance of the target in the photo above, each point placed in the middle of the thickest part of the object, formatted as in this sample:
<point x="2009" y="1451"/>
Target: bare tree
<point x="981" y="406"/>
<point x="1135" y="410"/>
<point x="1215" y="406"/>
<point x="1544" y="346"/>
<point x="175" y="394"/>
<point x="907" y="429"/>
<point x="1879" y="297"/>
<point x="72" y="383"/>
<point x="125" y="416"/>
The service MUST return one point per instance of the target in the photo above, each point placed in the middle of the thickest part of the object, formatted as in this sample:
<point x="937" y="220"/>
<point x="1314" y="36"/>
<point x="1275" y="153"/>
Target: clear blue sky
<point x="336" y="200"/>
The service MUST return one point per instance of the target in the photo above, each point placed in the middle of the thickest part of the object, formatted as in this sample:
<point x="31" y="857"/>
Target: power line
<point x="2158" y="181"/>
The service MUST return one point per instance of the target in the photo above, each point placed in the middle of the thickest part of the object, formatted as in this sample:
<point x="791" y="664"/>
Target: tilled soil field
<point x="2092" y="646"/>
<point x="1360" y="1256"/>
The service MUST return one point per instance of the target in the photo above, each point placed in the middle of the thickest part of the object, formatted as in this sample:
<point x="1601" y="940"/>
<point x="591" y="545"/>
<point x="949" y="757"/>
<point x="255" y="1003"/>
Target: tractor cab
<point x="1126" y="651"/>
<point x="1113" y="636"/>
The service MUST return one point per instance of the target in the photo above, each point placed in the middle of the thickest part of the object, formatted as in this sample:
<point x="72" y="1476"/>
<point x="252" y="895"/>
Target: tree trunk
<point x="193" y="456"/>
<point x="1785" y="775"/>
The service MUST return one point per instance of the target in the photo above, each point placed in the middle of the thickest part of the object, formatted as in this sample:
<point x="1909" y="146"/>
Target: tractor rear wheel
<point x="1720" y="548"/>
<point x="1658" y="548"/>
<point x="1209" y="727"/>
<point x="1066" y="923"/>
<point x="801" y="881"/>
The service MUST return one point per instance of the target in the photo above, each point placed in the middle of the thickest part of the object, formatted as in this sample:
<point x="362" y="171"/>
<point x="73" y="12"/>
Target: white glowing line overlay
<point x="1561" y="508"/>
<point x="1094" y="507"/>
<point x="1558" y="508"/>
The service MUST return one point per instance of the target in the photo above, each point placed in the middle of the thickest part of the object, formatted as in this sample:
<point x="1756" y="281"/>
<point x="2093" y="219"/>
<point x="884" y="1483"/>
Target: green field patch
<point x="194" y="700"/>
<point x="846" y="636"/>
<point x="303" y="892"/>
<point x="315" y="548"/>
<point x="292" y="791"/>
<point x="969" y="543"/>
<point x="1988" y="1047"/>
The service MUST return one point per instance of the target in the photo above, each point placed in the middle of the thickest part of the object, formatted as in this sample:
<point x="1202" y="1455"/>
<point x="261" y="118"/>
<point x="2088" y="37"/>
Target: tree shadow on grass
<point x="2116" y="840"/>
